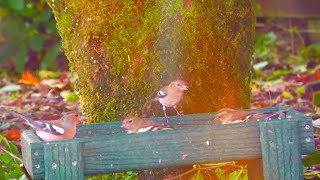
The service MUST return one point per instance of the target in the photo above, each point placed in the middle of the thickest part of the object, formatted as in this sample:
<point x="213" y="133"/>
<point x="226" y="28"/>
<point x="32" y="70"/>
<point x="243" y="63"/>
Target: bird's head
<point x="130" y="123"/>
<point x="72" y="119"/>
<point x="224" y="114"/>
<point x="179" y="85"/>
<point x="133" y="124"/>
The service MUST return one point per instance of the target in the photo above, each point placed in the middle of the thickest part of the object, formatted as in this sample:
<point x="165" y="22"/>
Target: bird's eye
<point x="130" y="121"/>
<point x="178" y="85"/>
<point x="77" y="115"/>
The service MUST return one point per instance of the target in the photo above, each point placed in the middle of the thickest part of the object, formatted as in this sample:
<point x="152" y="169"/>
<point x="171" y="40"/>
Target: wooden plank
<point x="63" y="161"/>
<point x="110" y="128"/>
<point x="281" y="150"/>
<point x="190" y="120"/>
<point x="123" y="152"/>
<point x="32" y="154"/>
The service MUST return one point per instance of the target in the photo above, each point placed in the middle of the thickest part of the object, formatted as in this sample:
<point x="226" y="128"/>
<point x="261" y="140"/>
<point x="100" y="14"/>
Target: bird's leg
<point x="165" y="118"/>
<point x="175" y="108"/>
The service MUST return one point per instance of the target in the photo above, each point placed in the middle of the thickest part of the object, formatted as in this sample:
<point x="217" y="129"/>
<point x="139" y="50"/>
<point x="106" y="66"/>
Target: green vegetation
<point x="9" y="160"/>
<point x="28" y="31"/>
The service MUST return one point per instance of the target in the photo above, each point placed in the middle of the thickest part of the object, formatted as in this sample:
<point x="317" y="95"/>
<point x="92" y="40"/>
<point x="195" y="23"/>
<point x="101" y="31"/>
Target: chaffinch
<point x="227" y="115"/>
<point x="137" y="125"/>
<point x="62" y="129"/>
<point x="171" y="95"/>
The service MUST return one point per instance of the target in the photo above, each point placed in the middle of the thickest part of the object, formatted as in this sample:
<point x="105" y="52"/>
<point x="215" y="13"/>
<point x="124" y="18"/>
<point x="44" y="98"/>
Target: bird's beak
<point x="123" y="126"/>
<point x="83" y="118"/>
<point x="185" y="87"/>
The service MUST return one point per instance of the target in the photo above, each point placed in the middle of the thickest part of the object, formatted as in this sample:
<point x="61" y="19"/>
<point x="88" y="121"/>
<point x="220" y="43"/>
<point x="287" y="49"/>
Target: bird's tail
<point x="27" y="120"/>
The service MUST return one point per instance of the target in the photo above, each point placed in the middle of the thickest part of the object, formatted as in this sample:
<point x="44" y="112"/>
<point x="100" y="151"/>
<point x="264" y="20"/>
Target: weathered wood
<point x="63" y="161"/>
<point x="195" y="140"/>
<point x="191" y="120"/>
<point x="179" y="147"/>
<point x="110" y="128"/>
<point x="281" y="150"/>
<point x="32" y="153"/>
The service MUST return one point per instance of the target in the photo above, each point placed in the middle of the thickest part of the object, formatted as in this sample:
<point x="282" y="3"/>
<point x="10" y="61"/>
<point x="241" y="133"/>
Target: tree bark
<point x="122" y="52"/>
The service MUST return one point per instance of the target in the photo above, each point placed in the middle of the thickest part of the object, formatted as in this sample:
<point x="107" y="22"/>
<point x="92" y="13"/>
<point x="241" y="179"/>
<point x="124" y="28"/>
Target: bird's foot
<point x="165" y="120"/>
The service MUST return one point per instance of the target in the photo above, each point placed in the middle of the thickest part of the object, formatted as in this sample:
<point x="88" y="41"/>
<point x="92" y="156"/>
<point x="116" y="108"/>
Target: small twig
<point x="12" y="155"/>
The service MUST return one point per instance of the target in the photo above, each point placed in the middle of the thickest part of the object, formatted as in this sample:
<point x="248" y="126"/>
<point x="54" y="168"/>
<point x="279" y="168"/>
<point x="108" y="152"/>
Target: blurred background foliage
<point x="28" y="36"/>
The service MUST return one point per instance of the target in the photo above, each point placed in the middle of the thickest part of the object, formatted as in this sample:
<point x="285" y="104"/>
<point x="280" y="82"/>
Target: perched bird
<point x="171" y="95"/>
<point x="137" y="125"/>
<point x="227" y="115"/>
<point x="62" y="129"/>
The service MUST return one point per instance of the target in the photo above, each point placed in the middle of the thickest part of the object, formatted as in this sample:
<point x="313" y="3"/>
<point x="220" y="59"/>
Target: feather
<point x="45" y="126"/>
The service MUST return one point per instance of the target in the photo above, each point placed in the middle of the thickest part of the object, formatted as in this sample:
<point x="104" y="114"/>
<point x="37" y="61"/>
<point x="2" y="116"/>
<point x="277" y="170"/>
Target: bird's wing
<point x="268" y="115"/>
<point x="153" y="126"/>
<point x="163" y="92"/>
<point x="40" y="125"/>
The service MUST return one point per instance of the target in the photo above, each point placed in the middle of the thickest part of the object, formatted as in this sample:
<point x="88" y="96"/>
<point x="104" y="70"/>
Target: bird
<point x="139" y="125"/>
<point x="171" y="95"/>
<point x="228" y="115"/>
<point x="62" y="129"/>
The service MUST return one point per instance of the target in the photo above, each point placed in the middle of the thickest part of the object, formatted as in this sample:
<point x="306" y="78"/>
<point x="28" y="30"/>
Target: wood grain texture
<point x="63" y="161"/>
<point x="281" y="150"/>
<point x="169" y="148"/>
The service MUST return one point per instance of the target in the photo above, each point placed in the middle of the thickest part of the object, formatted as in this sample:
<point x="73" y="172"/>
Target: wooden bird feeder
<point x="196" y="139"/>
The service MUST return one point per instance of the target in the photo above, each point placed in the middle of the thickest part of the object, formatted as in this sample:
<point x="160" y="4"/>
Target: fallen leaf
<point x="309" y="77"/>
<point x="4" y="125"/>
<point x="63" y="75"/>
<point x="45" y="74"/>
<point x="316" y="98"/>
<point x="68" y="96"/>
<point x="16" y="102"/>
<point x="28" y="78"/>
<point x="11" y="88"/>
<point x="13" y="134"/>
<point x="287" y="95"/>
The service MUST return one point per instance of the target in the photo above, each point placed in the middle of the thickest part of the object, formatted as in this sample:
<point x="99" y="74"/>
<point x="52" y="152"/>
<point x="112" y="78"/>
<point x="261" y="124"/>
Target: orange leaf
<point x="63" y="75"/>
<point x="317" y="74"/>
<point x="13" y="134"/>
<point x="27" y="78"/>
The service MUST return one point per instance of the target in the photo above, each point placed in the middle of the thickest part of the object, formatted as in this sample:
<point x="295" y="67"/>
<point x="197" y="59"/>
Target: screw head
<point x="54" y="166"/>
<point x="74" y="163"/>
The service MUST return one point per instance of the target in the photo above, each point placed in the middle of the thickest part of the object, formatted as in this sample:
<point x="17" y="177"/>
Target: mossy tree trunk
<point x="122" y="52"/>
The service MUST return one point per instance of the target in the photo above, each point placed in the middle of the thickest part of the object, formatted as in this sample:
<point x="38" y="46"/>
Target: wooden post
<point x="281" y="150"/>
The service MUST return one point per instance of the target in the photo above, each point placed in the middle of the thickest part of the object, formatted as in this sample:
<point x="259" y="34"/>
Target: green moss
<point x="121" y="52"/>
